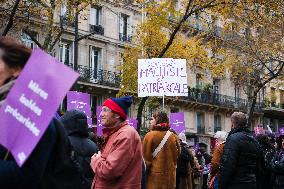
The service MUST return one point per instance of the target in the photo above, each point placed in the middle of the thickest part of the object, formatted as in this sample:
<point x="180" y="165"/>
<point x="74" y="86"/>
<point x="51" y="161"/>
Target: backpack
<point x="64" y="170"/>
<point x="182" y="162"/>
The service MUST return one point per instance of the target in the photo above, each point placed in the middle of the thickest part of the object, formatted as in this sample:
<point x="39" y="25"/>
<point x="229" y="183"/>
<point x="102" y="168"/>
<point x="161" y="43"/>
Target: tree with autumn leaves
<point x="52" y="18"/>
<point x="252" y="59"/>
<point x="252" y="42"/>
<point x="162" y="35"/>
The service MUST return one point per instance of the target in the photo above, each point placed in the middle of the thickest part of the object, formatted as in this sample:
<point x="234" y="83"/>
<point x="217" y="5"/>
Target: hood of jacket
<point x="75" y="123"/>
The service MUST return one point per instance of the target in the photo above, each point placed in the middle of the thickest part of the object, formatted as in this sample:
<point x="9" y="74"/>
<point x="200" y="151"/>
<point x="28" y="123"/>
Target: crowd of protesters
<point x="120" y="159"/>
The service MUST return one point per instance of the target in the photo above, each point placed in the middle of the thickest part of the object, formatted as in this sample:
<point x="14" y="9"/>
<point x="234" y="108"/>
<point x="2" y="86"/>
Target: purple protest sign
<point x="177" y="122"/>
<point x="32" y="102"/>
<point x="99" y="121"/>
<point x="196" y="147"/>
<point x="132" y="122"/>
<point x="80" y="101"/>
<point x="281" y="130"/>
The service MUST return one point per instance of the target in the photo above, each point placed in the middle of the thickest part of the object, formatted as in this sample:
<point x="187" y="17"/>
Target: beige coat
<point x="161" y="171"/>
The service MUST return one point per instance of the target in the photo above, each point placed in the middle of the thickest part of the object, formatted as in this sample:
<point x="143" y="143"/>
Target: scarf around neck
<point x="5" y="89"/>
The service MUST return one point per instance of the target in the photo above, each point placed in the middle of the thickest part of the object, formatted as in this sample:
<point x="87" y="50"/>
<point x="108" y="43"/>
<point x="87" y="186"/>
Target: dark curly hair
<point x="162" y="121"/>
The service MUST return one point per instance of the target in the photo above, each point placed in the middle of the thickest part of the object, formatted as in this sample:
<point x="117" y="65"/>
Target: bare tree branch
<point x="186" y="15"/>
<point x="11" y="19"/>
<point x="55" y="40"/>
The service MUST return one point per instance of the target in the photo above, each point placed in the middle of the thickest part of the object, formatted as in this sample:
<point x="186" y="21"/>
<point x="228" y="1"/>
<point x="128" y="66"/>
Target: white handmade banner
<point x="162" y="76"/>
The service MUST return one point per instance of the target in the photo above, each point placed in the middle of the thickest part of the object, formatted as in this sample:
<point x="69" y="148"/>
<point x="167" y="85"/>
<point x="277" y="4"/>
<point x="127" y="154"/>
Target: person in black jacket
<point x="268" y="152"/>
<point x="206" y="169"/>
<point x="277" y="164"/>
<point x="182" y="170"/>
<point x="238" y="168"/>
<point x="75" y="123"/>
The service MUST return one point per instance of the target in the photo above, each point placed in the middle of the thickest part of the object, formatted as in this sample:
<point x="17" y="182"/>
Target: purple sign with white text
<point x="80" y="101"/>
<point x="177" y="122"/>
<point x="99" y="121"/>
<point x="132" y="122"/>
<point x="281" y="130"/>
<point x="32" y="102"/>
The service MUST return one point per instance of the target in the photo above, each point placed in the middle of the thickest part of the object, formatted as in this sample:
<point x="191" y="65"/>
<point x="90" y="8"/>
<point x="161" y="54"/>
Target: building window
<point x="65" y="55"/>
<point x="96" y="20"/>
<point x="63" y="10"/>
<point x="237" y="94"/>
<point x="273" y="97"/>
<point x="281" y="98"/>
<point x="263" y="93"/>
<point x="217" y="123"/>
<point x="26" y="39"/>
<point x="200" y="123"/>
<point x="197" y="21"/>
<point x="95" y="61"/>
<point x="216" y="86"/>
<point x="199" y="82"/>
<point x="124" y="28"/>
<point x="95" y="15"/>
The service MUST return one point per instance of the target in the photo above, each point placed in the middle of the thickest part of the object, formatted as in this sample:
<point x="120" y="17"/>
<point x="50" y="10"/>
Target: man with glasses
<point x="119" y="163"/>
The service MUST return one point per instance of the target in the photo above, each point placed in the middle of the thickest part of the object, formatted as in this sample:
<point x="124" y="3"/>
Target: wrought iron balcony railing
<point x="195" y="94"/>
<point x="97" y="29"/>
<point x="201" y="129"/>
<point x="123" y="37"/>
<point x="99" y="76"/>
<point x="274" y="105"/>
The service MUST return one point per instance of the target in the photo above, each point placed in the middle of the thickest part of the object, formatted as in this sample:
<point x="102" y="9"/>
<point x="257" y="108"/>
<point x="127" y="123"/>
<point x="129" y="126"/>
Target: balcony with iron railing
<point x="97" y="29"/>
<point x="274" y="105"/>
<point x="201" y="129"/>
<point x="273" y="109"/>
<point x="208" y="97"/>
<point x="124" y="37"/>
<point x="99" y="76"/>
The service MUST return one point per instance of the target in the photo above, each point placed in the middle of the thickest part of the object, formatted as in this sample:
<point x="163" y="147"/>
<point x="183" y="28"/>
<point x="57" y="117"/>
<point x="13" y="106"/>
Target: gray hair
<point x="221" y="135"/>
<point x="239" y="119"/>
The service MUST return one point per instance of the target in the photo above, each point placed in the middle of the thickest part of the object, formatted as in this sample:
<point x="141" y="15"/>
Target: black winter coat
<point x="182" y="162"/>
<point x="278" y="170"/>
<point x="31" y="173"/>
<point x="265" y="176"/>
<point x="75" y="123"/>
<point x="239" y="160"/>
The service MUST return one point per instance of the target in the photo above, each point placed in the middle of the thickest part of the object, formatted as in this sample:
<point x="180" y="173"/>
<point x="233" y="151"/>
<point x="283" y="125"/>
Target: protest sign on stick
<point x="80" y="101"/>
<point x="177" y="122"/>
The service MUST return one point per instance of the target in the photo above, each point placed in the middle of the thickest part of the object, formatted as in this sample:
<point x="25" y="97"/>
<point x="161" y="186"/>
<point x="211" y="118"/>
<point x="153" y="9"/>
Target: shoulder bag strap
<point x="161" y="145"/>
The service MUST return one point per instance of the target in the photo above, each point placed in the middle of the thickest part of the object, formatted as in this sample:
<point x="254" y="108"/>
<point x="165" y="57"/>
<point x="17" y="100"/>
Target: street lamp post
<point x="76" y="41"/>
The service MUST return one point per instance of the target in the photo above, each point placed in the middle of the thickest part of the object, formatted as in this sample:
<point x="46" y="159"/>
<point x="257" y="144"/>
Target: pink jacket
<point x="120" y="165"/>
